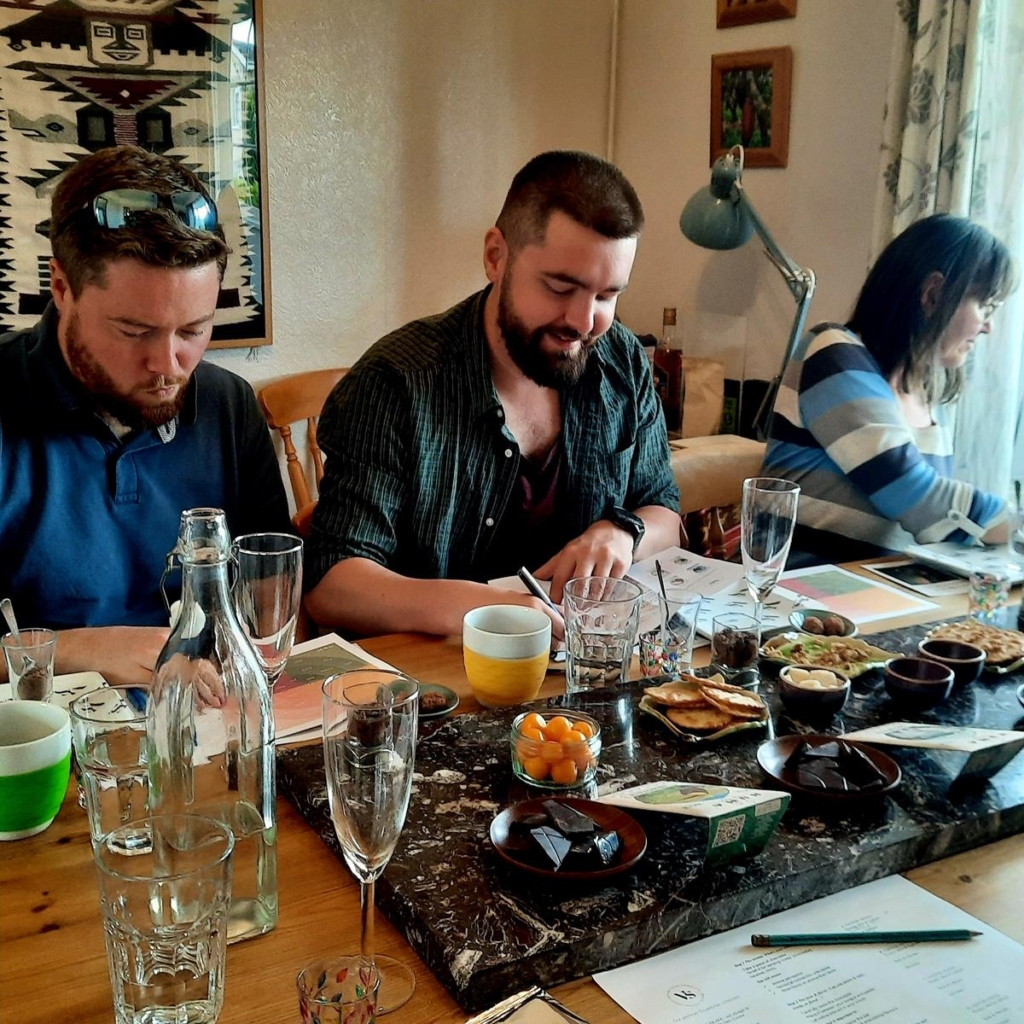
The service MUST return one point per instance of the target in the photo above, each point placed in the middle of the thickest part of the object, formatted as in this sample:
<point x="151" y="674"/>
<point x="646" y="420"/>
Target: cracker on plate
<point x="682" y="694"/>
<point x="735" y="701"/>
<point x="705" y="719"/>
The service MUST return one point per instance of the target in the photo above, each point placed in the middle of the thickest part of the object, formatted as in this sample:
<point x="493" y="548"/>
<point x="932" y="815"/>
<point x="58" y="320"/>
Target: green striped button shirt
<point x="420" y="465"/>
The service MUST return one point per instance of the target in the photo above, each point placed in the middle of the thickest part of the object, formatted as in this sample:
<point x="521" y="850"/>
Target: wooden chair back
<point x="300" y="396"/>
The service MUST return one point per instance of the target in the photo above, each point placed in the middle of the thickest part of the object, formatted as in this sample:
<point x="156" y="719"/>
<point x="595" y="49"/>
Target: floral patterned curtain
<point x="953" y="141"/>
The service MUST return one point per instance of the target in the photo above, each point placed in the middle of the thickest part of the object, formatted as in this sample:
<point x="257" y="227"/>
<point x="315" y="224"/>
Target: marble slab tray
<point x="487" y="930"/>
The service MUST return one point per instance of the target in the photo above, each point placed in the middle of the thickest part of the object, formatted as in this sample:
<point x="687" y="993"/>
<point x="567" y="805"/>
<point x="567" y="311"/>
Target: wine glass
<point x="370" y="718"/>
<point x="767" y="520"/>
<point x="267" y="592"/>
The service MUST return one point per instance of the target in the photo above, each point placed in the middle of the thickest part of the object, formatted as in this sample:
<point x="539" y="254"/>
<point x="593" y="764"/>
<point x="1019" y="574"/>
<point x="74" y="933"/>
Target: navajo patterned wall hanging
<point x="177" y="77"/>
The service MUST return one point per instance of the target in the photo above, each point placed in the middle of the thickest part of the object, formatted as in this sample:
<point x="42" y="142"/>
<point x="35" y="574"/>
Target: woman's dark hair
<point x="889" y="316"/>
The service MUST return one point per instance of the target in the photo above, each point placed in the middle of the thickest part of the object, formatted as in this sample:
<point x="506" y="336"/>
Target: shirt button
<point x="508" y="453"/>
<point x="488" y="521"/>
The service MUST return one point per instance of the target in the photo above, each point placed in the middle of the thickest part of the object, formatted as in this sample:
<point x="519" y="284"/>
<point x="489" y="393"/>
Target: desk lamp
<point x="722" y="217"/>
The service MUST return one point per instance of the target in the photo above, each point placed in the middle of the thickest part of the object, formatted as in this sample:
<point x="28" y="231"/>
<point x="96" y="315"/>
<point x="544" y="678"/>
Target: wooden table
<point x="52" y="958"/>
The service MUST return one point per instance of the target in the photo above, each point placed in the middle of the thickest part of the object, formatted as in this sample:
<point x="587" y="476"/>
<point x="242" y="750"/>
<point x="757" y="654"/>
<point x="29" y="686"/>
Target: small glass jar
<point x="560" y="751"/>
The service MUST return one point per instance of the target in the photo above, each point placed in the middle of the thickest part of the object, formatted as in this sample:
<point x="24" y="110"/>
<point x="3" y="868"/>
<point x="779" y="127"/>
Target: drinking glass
<point x="1017" y="535"/>
<point x="668" y="650"/>
<point x="602" y="616"/>
<point x="370" y="718"/>
<point x="767" y="520"/>
<point x="165" y="919"/>
<point x="735" y="641"/>
<point x="30" y="655"/>
<point x="987" y="594"/>
<point x="109" y="730"/>
<point x="338" y="991"/>
<point x="267" y="592"/>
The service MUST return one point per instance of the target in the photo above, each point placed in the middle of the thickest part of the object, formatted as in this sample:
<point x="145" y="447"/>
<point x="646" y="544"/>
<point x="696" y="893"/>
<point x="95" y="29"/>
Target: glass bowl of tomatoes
<point x="558" y="752"/>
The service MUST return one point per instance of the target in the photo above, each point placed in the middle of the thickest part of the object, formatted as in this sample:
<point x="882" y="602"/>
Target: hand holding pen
<point x="539" y="592"/>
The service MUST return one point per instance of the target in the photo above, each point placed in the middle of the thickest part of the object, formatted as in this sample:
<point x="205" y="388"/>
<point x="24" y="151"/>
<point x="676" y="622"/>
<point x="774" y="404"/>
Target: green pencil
<point x="847" y="938"/>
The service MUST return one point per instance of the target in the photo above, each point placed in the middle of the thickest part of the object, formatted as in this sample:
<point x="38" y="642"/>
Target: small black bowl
<point x="918" y="682"/>
<point x="966" y="660"/>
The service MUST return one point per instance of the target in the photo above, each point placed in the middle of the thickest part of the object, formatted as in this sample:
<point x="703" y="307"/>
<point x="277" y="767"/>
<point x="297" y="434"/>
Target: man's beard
<point x="549" y="369"/>
<point x="132" y="413"/>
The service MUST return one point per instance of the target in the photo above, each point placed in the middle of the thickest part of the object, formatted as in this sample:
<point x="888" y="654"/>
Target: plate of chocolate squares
<point x="562" y="838"/>
<point x="828" y="767"/>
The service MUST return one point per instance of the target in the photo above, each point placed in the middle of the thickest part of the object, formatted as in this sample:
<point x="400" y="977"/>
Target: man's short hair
<point x="156" y="237"/>
<point x="586" y="188"/>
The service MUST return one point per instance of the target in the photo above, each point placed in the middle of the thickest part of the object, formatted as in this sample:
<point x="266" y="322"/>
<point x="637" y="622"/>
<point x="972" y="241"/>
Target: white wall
<point x="393" y="130"/>
<point x="819" y="208"/>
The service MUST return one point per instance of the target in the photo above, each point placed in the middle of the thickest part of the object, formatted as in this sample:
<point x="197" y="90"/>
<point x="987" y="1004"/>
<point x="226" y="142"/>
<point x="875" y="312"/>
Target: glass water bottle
<point x="210" y="723"/>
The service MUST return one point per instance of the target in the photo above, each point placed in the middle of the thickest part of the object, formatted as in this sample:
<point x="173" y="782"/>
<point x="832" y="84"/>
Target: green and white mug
<point x="35" y="764"/>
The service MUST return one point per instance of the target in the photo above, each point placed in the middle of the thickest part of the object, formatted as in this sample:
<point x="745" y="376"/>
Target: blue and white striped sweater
<point x="864" y="473"/>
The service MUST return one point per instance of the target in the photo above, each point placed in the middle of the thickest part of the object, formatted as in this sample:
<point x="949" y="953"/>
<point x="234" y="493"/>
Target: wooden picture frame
<point x="750" y="95"/>
<point x="749" y="12"/>
<point x="173" y="76"/>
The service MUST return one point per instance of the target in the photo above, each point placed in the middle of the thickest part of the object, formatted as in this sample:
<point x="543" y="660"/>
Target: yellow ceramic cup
<point x="505" y="648"/>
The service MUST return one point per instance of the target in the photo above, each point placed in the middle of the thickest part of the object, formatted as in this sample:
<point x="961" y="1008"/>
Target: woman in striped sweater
<point x="854" y="423"/>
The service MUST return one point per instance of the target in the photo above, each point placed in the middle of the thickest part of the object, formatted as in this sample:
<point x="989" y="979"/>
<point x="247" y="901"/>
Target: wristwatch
<point x="628" y="521"/>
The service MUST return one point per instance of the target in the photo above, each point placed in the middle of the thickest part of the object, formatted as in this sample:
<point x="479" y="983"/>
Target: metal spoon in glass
<point x="12" y="623"/>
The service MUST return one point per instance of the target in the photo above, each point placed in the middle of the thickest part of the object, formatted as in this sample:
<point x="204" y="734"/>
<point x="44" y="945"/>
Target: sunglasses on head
<point x="120" y="207"/>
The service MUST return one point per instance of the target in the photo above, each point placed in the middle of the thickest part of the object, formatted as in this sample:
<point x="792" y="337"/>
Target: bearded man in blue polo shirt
<point x="519" y="428"/>
<point x="110" y="425"/>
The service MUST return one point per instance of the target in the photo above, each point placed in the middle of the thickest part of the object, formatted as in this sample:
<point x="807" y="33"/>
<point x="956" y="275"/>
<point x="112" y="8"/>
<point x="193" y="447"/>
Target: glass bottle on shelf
<point x="668" y="362"/>
<point x="210" y="723"/>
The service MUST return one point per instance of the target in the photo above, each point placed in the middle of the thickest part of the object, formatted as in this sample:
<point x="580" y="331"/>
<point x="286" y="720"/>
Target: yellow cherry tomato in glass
<point x="551" y="751"/>
<point x="564" y="772"/>
<point x="557" y="727"/>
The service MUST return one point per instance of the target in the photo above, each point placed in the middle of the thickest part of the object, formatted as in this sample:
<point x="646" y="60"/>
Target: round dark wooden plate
<point x="632" y="837"/>
<point x="773" y="754"/>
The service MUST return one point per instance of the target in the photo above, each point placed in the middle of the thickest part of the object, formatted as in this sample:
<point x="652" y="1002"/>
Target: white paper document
<point x="684" y="571"/>
<point x="66" y="687"/>
<point x="725" y="980"/>
<point x="297" y="711"/>
<point x="736" y="598"/>
<point x="964" y="559"/>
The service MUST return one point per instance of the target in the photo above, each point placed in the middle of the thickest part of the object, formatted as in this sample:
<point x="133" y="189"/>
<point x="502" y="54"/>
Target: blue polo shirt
<point x="87" y="519"/>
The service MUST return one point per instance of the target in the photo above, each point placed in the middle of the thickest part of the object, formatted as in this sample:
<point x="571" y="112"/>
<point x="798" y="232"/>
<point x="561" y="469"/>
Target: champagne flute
<point x="768" y="517"/>
<point x="370" y="718"/>
<point x="267" y="592"/>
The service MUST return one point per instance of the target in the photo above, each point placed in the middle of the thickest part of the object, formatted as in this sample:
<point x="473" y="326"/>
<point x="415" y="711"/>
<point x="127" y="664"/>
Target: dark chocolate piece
<point x="568" y="820"/>
<point x="835" y="765"/>
<point x="553" y="843"/>
<point x="528" y="821"/>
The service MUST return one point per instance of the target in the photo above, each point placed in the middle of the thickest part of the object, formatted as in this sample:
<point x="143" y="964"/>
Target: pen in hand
<point x="537" y="590"/>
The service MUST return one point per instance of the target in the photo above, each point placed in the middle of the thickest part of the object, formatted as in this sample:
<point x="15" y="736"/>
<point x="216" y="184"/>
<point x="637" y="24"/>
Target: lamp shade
<point x="714" y="222"/>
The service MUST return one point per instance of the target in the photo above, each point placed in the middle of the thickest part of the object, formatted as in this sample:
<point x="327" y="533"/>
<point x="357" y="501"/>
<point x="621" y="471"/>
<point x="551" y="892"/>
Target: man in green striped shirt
<point x="520" y="427"/>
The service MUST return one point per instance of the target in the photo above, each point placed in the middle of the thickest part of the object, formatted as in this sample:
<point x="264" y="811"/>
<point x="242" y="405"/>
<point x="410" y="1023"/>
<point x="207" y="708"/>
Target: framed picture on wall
<point x="750" y="105"/>
<point x="748" y="12"/>
<point x="175" y="77"/>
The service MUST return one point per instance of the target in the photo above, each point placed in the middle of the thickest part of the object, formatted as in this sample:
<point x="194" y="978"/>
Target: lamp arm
<point x="796" y="277"/>
<point x="766" y="412"/>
